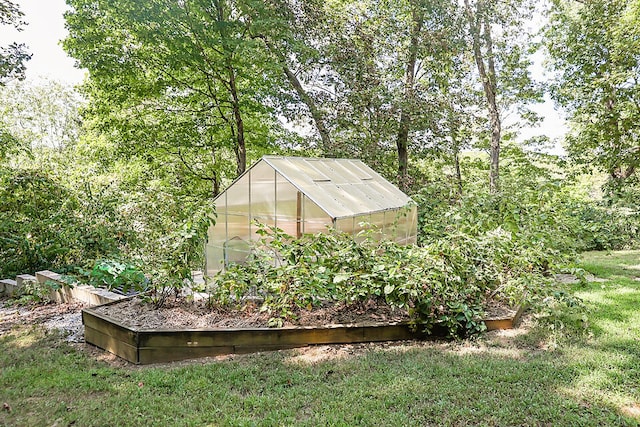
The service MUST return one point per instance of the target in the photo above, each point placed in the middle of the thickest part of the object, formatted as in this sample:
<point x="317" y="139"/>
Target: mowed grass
<point x="565" y="375"/>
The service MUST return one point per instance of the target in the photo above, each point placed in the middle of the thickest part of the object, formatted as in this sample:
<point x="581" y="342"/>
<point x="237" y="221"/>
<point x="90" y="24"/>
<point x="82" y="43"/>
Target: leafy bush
<point x="44" y="225"/>
<point x="115" y="275"/>
<point x="443" y="284"/>
<point x="607" y="228"/>
<point x="177" y="254"/>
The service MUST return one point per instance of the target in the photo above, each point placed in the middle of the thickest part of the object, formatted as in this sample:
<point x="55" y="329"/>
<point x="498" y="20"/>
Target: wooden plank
<point x="391" y="333"/>
<point x="109" y="327"/>
<point x="518" y="316"/>
<point x="111" y="344"/>
<point x="249" y="337"/>
<point x="255" y="349"/>
<point x="153" y="346"/>
<point x="496" y="324"/>
<point x="147" y="355"/>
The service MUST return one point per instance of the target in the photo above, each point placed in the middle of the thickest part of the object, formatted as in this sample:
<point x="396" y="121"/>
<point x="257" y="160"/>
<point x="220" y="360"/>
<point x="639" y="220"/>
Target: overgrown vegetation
<point x="571" y="375"/>
<point x="445" y="283"/>
<point x="116" y="185"/>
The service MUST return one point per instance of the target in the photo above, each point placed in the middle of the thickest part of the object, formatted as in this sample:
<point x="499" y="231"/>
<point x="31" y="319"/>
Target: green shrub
<point x="115" y="274"/>
<point x="443" y="284"/>
<point x="44" y="225"/>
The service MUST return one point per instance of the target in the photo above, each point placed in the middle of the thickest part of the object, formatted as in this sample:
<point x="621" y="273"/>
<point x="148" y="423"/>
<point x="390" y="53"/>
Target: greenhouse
<point x="303" y="196"/>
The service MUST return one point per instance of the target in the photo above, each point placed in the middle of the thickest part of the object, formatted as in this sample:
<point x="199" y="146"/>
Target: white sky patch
<point x="42" y="35"/>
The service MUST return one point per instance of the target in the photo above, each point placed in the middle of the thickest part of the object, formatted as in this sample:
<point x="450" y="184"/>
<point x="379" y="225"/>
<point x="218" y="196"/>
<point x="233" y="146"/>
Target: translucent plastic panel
<point x="346" y="169"/>
<point x="315" y="220"/>
<point x="288" y="208"/>
<point x="352" y="195"/>
<point x="262" y="172"/>
<point x="361" y="170"/>
<point x="287" y="202"/>
<point x="377" y="222"/>
<point x="298" y="169"/>
<point x="215" y="259"/>
<point x="385" y="195"/>
<point x="363" y="190"/>
<point x="347" y="225"/>
<point x="401" y="230"/>
<point x="236" y="251"/>
<point x="391" y="219"/>
<point x="217" y="232"/>
<point x="237" y="227"/>
<point x="326" y="196"/>
<point x="263" y="194"/>
<point x="360" y="223"/>
<point x="327" y="168"/>
<point x="238" y="197"/>
<point x="412" y="235"/>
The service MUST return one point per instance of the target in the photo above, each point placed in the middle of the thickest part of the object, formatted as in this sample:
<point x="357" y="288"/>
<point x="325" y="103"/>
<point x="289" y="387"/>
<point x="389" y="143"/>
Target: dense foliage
<point x="114" y="182"/>
<point x="595" y="52"/>
<point x="445" y="283"/>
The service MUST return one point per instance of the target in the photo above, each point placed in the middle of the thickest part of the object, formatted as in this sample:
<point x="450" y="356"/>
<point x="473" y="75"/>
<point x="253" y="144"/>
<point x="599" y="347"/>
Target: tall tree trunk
<point x="454" y="127"/>
<point x="456" y="165"/>
<point x="240" y="147"/>
<point x="402" y="141"/>
<point x="479" y="27"/>
<point x="316" y="114"/>
<point x="237" y="128"/>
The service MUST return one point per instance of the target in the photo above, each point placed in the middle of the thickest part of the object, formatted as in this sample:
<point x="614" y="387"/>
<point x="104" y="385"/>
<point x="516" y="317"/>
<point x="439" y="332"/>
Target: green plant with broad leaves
<point x="177" y="254"/>
<point x="444" y="284"/>
<point x="115" y="274"/>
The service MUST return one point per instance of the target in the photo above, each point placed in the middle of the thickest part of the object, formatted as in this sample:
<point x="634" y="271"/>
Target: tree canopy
<point x="595" y="52"/>
<point x="13" y="57"/>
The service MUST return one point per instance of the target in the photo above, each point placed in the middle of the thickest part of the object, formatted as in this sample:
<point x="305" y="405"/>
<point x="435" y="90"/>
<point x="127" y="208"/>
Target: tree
<point x="594" y="49"/>
<point x="44" y="113"/>
<point x="382" y="64"/>
<point x="180" y="79"/>
<point x="14" y="56"/>
<point x="290" y="36"/>
<point x="12" y="66"/>
<point x="500" y="46"/>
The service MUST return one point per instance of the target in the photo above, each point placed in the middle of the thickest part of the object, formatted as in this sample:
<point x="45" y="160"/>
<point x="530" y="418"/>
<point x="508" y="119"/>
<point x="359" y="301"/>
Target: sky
<point x="45" y="29"/>
<point x="42" y="35"/>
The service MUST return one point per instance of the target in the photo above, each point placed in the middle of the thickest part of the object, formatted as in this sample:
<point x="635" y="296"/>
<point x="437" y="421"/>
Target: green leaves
<point x="594" y="52"/>
<point x="444" y="283"/>
<point x="13" y="56"/>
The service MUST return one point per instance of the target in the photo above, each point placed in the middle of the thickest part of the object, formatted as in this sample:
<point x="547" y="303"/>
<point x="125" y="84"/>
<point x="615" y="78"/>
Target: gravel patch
<point x="70" y="324"/>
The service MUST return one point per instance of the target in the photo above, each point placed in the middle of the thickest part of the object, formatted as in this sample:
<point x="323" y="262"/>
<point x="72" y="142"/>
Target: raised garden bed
<point x="145" y="346"/>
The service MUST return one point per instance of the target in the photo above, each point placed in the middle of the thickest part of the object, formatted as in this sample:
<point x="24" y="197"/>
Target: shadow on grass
<point x="410" y="383"/>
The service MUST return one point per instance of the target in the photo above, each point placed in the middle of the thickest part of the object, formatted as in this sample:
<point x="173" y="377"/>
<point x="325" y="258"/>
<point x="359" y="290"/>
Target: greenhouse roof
<point x="341" y="187"/>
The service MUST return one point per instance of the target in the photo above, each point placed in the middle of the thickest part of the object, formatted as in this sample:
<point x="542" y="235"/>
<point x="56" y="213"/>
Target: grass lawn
<point x="559" y="373"/>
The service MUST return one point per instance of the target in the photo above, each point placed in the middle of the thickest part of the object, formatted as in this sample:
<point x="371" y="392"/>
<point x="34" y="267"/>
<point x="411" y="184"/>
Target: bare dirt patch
<point x="180" y="314"/>
<point x="64" y="317"/>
